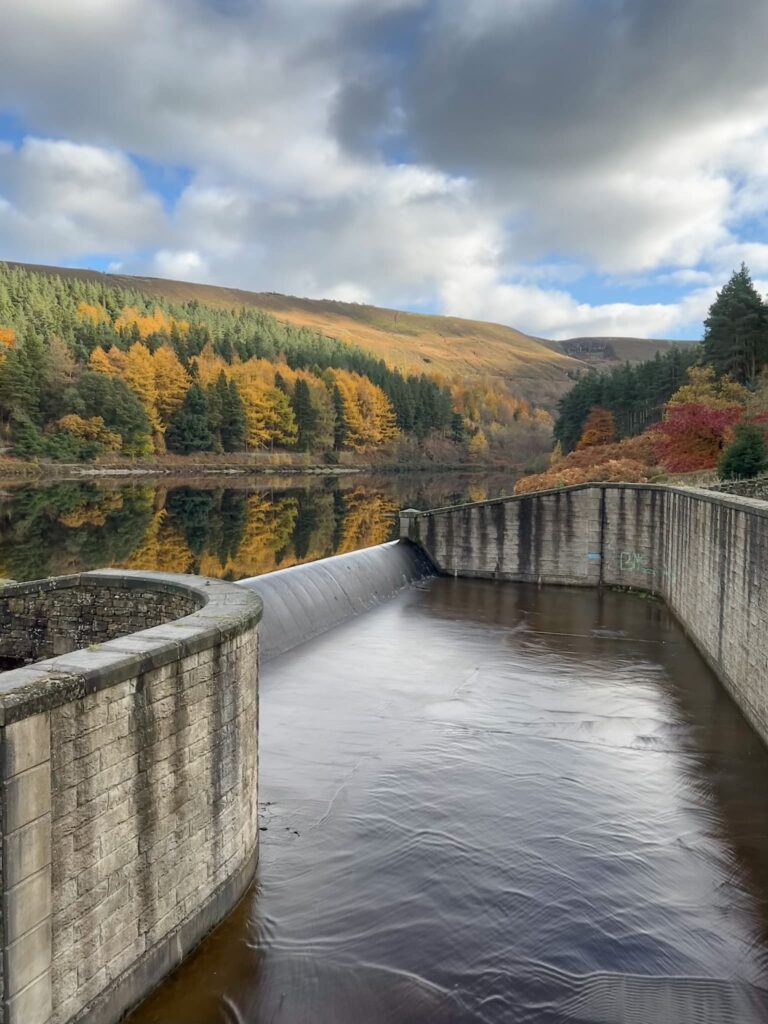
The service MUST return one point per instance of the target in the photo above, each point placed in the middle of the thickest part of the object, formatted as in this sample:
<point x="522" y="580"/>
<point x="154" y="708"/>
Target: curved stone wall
<point x="41" y="619"/>
<point x="129" y="780"/>
<point x="704" y="552"/>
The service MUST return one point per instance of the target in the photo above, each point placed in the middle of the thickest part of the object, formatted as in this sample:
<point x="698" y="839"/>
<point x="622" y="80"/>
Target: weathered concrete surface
<point x="129" y="800"/>
<point x="48" y="617"/>
<point x="304" y="601"/>
<point x="705" y="553"/>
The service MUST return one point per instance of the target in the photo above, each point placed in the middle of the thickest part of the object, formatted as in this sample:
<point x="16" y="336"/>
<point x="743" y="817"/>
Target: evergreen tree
<point x="188" y="431"/>
<point x="736" y="330"/>
<point x="233" y="420"/>
<point x="27" y="440"/>
<point x="96" y="394"/>
<point x="340" y="427"/>
<point x="458" y="428"/>
<point x="746" y="456"/>
<point x="306" y="417"/>
<point x="213" y="396"/>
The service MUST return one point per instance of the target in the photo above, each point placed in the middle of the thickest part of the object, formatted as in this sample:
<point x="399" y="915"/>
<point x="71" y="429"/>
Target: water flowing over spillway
<point x="490" y="802"/>
<point x="304" y="601"/>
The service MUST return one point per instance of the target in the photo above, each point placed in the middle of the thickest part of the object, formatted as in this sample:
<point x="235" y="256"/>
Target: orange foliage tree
<point x="147" y="324"/>
<point x="93" y="314"/>
<point x="269" y="417"/>
<point x="171" y="383"/>
<point x="598" y="429"/>
<point x="632" y="460"/>
<point x="369" y="417"/>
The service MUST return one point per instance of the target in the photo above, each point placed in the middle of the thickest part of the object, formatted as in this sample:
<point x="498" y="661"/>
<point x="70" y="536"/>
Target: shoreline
<point x="38" y="472"/>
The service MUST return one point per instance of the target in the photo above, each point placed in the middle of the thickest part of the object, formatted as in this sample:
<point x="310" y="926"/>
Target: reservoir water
<point x="230" y="527"/>
<point x="488" y="802"/>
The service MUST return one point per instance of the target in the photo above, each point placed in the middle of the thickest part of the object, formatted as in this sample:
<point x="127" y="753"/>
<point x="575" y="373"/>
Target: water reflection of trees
<point x="55" y="530"/>
<point x="223" y="531"/>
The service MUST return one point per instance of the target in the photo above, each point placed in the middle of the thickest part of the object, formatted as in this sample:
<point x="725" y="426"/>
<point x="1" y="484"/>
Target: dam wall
<point x="129" y="783"/>
<point x="704" y="553"/>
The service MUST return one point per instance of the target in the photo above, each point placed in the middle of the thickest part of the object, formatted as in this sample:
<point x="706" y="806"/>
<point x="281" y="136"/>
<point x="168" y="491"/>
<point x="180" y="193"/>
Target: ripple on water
<point x="496" y="803"/>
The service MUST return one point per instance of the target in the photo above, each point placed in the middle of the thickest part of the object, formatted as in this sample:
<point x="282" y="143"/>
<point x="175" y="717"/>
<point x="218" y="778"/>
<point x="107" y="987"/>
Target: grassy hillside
<point x="536" y="369"/>
<point x="608" y="351"/>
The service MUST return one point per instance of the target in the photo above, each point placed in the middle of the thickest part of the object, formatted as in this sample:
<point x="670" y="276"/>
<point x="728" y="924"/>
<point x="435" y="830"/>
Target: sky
<point x="569" y="167"/>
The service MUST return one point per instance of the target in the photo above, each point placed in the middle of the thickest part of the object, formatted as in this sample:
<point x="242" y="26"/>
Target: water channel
<point x="481" y="802"/>
<point x="487" y="802"/>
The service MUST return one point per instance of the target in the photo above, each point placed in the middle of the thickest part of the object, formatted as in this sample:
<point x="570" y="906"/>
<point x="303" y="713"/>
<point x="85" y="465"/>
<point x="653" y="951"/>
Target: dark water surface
<point x="489" y="802"/>
<point x="218" y="526"/>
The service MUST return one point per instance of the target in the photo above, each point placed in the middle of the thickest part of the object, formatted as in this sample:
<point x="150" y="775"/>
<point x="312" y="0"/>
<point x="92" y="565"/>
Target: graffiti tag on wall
<point x="637" y="562"/>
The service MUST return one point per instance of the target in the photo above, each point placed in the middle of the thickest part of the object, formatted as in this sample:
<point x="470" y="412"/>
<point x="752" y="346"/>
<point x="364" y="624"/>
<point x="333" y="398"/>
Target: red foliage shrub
<point x="692" y="436"/>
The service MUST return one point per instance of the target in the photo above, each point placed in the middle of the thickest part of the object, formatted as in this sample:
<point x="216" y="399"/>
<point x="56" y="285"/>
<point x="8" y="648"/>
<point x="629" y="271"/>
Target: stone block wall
<point x="129" y="801"/>
<point x="49" y="617"/>
<point x="551" y="537"/>
<point x="705" y="553"/>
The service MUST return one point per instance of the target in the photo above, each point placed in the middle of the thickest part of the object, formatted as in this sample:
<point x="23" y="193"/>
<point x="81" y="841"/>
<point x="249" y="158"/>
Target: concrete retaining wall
<point x="129" y="791"/>
<point x="705" y="553"/>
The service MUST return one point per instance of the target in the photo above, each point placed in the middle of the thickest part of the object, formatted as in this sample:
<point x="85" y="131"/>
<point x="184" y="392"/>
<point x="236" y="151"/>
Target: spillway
<point x="304" y="601"/>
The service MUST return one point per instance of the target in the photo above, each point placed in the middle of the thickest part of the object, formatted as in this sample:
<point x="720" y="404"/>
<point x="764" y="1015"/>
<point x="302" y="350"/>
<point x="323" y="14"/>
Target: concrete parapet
<point x="129" y="784"/>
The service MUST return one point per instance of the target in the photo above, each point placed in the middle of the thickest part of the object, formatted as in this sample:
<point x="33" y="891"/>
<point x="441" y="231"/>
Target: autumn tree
<point x="136" y="367"/>
<point x="478" y="444"/>
<point x="599" y="429"/>
<point x="171" y="383"/>
<point x="367" y="414"/>
<point x="703" y="387"/>
<point x="692" y="436"/>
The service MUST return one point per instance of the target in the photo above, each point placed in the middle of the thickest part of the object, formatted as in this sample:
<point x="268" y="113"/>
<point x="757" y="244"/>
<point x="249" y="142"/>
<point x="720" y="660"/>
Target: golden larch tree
<point x="171" y="383"/>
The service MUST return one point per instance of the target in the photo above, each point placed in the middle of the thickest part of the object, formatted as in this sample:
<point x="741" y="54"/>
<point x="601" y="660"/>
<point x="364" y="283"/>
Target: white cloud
<point x="541" y="142"/>
<point x="553" y="313"/>
<point x="61" y="199"/>
<point x="187" y="265"/>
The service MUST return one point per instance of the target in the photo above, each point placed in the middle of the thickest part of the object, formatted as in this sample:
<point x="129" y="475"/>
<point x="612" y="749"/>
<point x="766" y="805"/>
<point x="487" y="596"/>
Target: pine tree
<point x="233" y="420"/>
<point x="188" y="431"/>
<point x="746" y="456"/>
<point x="340" y="427"/>
<point x="213" y="397"/>
<point x="304" y="412"/>
<point x="736" y="329"/>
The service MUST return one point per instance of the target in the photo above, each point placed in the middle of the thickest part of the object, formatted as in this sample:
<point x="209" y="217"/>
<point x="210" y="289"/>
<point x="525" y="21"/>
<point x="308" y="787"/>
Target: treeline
<point x="635" y="395"/>
<point x="88" y="368"/>
<point x="735" y="346"/>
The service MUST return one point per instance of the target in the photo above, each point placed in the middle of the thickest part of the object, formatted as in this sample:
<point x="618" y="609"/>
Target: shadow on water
<point x="489" y="802"/>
